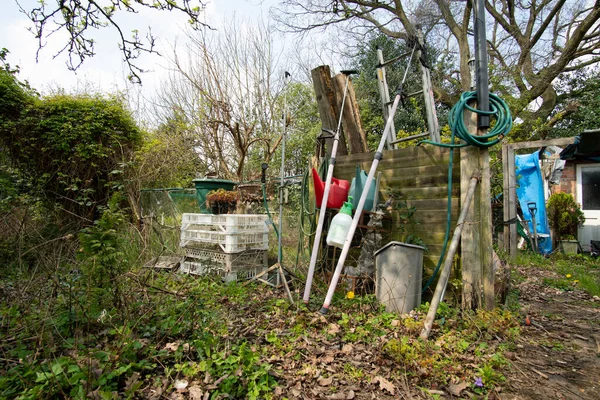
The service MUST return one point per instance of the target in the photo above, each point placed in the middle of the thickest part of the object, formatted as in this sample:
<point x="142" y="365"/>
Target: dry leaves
<point x="384" y="384"/>
<point x="456" y="389"/>
<point x="325" y="381"/>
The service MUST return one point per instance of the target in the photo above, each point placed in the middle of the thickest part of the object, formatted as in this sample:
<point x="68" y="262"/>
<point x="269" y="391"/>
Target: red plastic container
<point x="338" y="192"/>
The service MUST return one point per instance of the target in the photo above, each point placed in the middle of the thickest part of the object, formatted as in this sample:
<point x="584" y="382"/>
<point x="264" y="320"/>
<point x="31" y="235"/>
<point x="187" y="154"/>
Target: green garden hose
<point x="503" y="125"/>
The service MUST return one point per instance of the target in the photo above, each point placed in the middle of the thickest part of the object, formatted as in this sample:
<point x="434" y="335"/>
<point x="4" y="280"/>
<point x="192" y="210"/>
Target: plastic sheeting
<point x="530" y="188"/>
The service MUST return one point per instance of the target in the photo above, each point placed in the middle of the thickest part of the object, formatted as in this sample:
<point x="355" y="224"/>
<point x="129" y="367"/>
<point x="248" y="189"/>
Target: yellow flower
<point x="576" y="281"/>
<point x="350" y="295"/>
<point x="568" y="275"/>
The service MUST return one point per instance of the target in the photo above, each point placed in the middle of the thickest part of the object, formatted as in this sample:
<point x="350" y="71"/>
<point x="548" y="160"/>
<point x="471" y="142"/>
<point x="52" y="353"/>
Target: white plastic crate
<point x="228" y="223"/>
<point x="243" y="274"/>
<point x="229" y="261"/>
<point x="228" y="242"/>
<point x="196" y="267"/>
<point x="193" y="267"/>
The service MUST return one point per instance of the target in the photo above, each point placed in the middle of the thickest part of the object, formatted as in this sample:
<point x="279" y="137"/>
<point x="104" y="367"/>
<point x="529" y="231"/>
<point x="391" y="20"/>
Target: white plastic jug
<point x="340" y="225"/>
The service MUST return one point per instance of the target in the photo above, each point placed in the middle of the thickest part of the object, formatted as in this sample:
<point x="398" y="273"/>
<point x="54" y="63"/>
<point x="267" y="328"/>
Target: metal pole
<point x="319" y="231"/>
<point x="361" y="203"/>
<point x="535" y="237"/>
<point x="385" y="97"/>
<point x="481" y="60"/>
<point x="284" y="120"/>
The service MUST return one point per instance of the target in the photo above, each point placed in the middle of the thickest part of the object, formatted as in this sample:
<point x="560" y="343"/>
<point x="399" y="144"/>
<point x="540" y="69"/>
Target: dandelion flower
<point x="568" y="275"/>
<point x="575" y="281"/>
<point x="350" y="294"/>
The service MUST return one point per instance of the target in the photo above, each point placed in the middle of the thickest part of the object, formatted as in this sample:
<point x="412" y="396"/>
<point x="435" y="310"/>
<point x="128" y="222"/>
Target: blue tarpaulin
<point x="530" y="188"/>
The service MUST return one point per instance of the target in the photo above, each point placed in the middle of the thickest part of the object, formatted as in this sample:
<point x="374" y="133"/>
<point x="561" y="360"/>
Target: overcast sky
<point x="106" y="71"/>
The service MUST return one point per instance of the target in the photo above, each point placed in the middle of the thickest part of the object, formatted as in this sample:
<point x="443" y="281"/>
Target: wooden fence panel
<point x="420" y="174"/>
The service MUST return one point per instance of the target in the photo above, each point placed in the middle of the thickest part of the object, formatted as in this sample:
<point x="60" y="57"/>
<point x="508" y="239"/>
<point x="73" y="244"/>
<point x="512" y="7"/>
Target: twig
<point x="271" y="268"/>
<point x="287" y="288"/>
<point x="539" y="326"/>
<point x="543" y="375"/>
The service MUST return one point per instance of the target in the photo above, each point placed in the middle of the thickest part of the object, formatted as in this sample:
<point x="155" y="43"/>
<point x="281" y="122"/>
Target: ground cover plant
<point x="162" y="334"/>
<point x="91" y="322"/>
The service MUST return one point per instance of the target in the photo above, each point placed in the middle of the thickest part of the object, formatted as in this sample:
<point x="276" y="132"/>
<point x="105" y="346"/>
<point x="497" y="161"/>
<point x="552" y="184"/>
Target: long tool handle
<point x="319" y="231"/>
<point x="361" y="203"/>
<point x="440" y="289"/>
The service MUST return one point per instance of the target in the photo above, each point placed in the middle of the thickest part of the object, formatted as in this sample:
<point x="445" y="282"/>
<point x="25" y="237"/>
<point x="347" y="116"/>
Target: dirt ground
<point x="558" y="353"/>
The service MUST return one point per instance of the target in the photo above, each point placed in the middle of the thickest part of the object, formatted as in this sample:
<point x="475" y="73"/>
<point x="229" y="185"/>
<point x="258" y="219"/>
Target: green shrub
<point x="564" y="216"/>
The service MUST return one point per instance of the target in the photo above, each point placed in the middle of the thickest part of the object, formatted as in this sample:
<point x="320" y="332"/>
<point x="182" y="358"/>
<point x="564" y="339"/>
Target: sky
<point x="106" y="72"/>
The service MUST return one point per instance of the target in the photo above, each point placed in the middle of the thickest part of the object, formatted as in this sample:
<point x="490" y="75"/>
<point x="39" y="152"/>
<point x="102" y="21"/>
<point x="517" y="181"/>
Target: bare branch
<point x="80" y="17"/>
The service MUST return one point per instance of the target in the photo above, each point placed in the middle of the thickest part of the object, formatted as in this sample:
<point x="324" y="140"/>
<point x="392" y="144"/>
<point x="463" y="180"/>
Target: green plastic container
<point x="203" y="186"/>
<point x="357" y="187"/>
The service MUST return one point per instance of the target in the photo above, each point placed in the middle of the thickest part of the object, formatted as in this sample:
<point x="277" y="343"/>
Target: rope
<point x="456" y="120"/>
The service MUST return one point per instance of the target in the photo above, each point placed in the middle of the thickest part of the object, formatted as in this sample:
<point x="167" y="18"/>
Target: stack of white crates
<point x="232" y="245"/>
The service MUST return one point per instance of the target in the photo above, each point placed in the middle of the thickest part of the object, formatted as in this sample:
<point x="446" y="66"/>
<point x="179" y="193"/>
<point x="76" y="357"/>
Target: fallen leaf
<point x="296" y="392"/>
<point x="172" y="346"/>
<point x="327" y="359"/>
<point x="325" y="381"/>
<point x="350" y="395"/>
<point x="195" y="392"/>
<point x="347" y="348"/>
<point x="180" y="384"/>
<point x="396" y="322"/>
<point x="337" y="396"/>
<point x="278" y="391"/>
<point x="384" y="384"/>
<point x="333" y="329"/>
<point x="456" y="389"/>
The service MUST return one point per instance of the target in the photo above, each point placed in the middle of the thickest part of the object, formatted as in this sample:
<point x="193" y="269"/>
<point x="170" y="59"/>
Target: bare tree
<point x="79" y="17"/>
<point x="226" y="86"/>
<point x="530" y="42"/>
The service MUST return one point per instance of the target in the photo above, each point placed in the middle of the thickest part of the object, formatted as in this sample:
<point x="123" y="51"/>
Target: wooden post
<point x="328" y="108"/>
<point x="351" y="124"/>
<point x="476" y="240"/>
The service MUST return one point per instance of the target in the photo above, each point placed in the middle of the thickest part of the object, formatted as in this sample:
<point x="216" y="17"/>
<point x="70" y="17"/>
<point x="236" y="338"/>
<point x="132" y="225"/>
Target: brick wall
<point x="568" y="181"/>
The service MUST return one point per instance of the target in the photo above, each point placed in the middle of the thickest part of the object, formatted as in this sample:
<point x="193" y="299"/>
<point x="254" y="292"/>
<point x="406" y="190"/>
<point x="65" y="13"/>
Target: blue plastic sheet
<point x="530" y="188"/>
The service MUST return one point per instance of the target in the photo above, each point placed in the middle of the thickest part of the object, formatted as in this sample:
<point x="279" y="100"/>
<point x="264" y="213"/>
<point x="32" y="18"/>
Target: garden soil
<point x="558" y="352"/>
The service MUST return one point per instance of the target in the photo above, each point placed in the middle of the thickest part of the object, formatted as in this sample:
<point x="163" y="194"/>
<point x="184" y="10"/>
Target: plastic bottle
<point x="340" y="225"/>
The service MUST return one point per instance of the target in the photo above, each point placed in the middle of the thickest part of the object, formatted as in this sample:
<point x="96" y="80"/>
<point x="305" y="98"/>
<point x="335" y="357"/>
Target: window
<point x="590" y="188"/>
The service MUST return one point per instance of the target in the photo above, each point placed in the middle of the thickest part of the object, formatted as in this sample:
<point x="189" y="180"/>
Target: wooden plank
<point x="351" y="124"/>
<point x="408" y="156"/>
<point x="423" y="174"/>
<point x="326" y="103"/>
<point x="426" y="217"/>
<point x="542" y="143"/>
<point x="415" y="193"/>
<point x="487" y="238"/>
<point x="471" y="267"/>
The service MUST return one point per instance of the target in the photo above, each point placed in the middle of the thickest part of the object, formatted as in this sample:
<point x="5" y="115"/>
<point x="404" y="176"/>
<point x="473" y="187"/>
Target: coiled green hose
<point x="500" y="111"/>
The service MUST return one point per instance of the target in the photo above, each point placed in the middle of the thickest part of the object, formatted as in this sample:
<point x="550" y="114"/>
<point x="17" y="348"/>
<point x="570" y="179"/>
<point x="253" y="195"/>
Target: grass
<point x="574" y="272"/>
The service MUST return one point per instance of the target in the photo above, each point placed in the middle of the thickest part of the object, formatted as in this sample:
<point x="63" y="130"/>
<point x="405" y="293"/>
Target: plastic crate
<point x="229" y="261"/>
<point x="228" y="242"/>
<point x="243" y="274"/>
<point x="198" y="268"/>
<point x="227" y="223"/>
